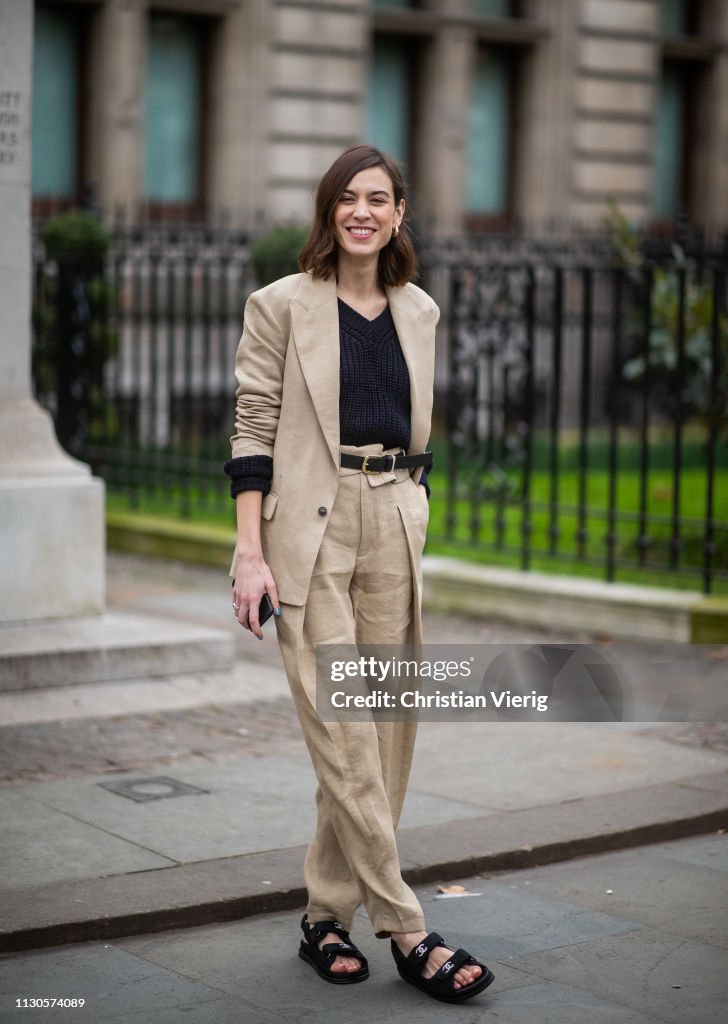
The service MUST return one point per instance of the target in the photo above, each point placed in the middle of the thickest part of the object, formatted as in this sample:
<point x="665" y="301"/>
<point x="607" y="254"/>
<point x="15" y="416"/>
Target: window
<point x="173" y="136"/>
<point x="493" y="8"/>
<point x="686" y="63"/>
<point x="388" y="114"/>
<point x="56" y="97"/>
<point x="488" y="134"/>
<point x="669" y="135"/>
<point x="673" y="17"/>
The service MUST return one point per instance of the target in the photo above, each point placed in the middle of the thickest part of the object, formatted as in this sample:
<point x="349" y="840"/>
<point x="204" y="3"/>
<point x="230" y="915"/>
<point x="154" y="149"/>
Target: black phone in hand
<point x="265" y="608"/>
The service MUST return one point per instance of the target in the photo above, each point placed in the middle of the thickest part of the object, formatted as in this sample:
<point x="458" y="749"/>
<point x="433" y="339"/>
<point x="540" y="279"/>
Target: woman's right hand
<point x="253" y="578"/>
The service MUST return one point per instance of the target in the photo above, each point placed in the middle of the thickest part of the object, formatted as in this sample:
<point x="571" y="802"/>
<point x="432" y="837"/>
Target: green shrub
<point x="77" y="242"/>
<point x="662" y="359"/>
<point x="276" y="254"/>
<point x="76" y="236"/>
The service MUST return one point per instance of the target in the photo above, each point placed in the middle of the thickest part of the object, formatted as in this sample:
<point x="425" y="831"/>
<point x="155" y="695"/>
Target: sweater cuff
<point x="249" y="473"/>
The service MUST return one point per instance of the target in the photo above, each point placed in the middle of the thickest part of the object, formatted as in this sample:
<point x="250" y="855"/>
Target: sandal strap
<point x="448" y="970"/>
<point x="418" y="956"/>
<point x="315" y="932"/>
<point x="335" y="949"/>
<point x="330" y="950"/>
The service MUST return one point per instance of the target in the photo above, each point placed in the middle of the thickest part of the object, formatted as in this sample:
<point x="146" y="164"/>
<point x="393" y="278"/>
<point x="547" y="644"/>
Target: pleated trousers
<point x="365" y="589"/>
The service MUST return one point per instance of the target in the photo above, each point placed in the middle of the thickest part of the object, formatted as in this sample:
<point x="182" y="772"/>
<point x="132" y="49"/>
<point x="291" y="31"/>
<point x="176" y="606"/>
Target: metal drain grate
<point x="157" y="788"/>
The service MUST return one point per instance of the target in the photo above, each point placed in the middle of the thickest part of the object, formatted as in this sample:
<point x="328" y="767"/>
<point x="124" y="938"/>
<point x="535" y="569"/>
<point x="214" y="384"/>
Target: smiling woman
<point x="362" y="194"/>
<point x="335" y="375"/>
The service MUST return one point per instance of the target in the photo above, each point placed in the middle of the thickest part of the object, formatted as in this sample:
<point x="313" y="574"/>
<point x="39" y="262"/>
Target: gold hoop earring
<point x="395" y="231"/>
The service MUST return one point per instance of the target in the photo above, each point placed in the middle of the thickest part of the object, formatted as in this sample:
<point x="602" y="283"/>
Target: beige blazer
<point x="287" y="367"/>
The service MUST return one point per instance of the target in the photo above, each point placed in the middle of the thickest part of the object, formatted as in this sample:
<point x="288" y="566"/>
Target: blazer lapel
<point x="315" y="323"/>
<point x="416" y="333"/>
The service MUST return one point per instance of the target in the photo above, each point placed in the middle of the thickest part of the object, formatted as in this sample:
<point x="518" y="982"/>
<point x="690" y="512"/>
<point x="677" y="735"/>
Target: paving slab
<point x="674" y="979"/>
<point x="556" y="959"/>
<point x="571" y="759"/>
<point x="235" y="886"/>
<point x="238" y="812"/>
<point x="41" y="844"/>
<point x="666" y="886"/>
<point x="504" y="922"/>
<point x="116" y="986"/>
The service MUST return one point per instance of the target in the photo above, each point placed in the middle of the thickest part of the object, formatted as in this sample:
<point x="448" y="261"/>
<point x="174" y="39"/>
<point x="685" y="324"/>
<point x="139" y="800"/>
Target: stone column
<point x="116" y="110"/>
<point x="545" y="117"/>
<point x="238" y="113"/>
<point x="444" y="103"/>
<point x="51" y="509"/>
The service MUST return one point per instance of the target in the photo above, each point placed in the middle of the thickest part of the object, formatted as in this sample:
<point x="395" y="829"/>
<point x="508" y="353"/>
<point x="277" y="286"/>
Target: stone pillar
<point x="116" y="109"/>
<point x="442" y="155"/>
<point x="238" y="125"/>
<point x="545" y="117"/>
<point x="51" y="509"/>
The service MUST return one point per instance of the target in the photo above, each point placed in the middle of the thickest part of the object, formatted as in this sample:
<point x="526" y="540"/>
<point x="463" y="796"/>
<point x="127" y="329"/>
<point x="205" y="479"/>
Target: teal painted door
<point x="55" y="98"/>
<point x="487" y="181"/>
<point x="388" y="97"/>
<point x="172" y="130"/>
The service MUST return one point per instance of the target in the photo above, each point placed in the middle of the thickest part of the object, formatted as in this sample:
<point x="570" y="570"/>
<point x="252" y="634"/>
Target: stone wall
<point x="286" y="92"/>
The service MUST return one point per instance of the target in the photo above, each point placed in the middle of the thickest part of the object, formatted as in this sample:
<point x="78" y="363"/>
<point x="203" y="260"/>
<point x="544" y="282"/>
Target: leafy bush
<point x="276" y="254"/>
<point x="662" y="358"/>
<point x="76" y="236"/>
<point x="73" y="321"/>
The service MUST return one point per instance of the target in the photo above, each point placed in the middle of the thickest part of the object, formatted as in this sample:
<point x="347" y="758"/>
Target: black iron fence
<point x="582" y="405"/>
<point x="148" y="372"/>
<point x="587" y="409"/>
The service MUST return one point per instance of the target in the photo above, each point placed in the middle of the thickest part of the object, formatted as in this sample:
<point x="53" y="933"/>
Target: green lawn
<point x="492" y="533"/>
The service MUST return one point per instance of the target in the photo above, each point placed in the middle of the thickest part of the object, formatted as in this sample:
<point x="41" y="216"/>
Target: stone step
<point x="108" y="647"/>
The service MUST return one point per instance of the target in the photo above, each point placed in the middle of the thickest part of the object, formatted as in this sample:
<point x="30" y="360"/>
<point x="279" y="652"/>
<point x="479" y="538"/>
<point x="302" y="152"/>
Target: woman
<point x="335" y="373"/>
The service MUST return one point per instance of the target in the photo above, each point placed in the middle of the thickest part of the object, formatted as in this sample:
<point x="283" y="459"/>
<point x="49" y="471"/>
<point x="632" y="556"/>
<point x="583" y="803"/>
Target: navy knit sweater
<point x="374" y="396"/>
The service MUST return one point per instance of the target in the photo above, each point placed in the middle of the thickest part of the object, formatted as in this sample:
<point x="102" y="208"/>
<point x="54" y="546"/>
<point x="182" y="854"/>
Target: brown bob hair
<point x="397" y="260"/>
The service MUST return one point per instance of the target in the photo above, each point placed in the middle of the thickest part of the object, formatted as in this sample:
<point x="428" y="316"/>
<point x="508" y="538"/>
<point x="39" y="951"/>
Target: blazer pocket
<point x="268" y="506"/>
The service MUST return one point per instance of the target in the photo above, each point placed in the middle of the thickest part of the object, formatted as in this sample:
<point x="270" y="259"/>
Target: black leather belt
<point x="384" y="463"/>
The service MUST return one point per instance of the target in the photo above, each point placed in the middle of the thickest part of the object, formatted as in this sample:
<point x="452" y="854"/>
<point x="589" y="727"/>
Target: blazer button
<point x="322" y="510"/>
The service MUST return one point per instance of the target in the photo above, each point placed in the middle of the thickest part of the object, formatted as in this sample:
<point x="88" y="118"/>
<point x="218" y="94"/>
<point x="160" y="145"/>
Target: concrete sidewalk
<point x="82" y="861"/>
<point x="632" y="937"/>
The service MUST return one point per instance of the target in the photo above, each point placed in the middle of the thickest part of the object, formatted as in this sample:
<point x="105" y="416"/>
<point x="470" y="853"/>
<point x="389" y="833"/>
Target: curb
<point x="623" y="610"/>
<point x="232" y="888"/>
<point x="160" y="538"/>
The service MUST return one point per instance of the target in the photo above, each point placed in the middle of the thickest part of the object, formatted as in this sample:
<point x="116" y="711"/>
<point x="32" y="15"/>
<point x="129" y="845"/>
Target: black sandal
<point x="442" y="983"/>
<point x="322" y="959"/>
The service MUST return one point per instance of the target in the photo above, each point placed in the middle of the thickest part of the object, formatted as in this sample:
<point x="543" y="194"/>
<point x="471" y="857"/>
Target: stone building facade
<point x="525" y="113"/>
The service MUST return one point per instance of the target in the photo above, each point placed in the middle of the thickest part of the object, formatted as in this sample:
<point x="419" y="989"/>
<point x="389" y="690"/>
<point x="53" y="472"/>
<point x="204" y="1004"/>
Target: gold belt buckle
<point x="368" y="472"/>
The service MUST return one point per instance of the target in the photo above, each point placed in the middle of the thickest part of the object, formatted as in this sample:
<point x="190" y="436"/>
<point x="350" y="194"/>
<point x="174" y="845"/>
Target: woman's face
<point x="365" y="215"/>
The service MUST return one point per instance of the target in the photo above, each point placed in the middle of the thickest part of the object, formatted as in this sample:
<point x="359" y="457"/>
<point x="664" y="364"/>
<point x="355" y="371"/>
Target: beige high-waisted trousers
<point x="361" y="592"/>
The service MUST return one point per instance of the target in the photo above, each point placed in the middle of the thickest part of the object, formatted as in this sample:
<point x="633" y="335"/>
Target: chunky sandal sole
<point x="458" y="995"/>
<point x="339" y="978"/>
